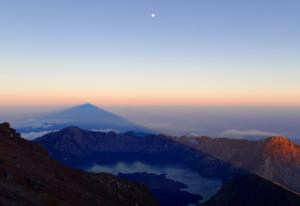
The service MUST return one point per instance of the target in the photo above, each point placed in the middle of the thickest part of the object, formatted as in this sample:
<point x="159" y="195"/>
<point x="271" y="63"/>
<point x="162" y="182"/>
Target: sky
<point x="116" y="52"/>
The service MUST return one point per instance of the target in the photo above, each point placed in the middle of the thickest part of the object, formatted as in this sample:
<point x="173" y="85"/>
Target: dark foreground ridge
<point x="252" y="190"/>
<point x="29" y="177"/>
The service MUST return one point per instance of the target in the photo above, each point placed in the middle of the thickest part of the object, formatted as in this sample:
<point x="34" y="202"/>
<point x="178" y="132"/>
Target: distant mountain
<point x="28" y="177"/>
<point x="86" y="116"/>
<point x="252" y="190"/>
<point x="84" y="149"/>
<point x="274" y="158"/>
<point x="81" y="148"/>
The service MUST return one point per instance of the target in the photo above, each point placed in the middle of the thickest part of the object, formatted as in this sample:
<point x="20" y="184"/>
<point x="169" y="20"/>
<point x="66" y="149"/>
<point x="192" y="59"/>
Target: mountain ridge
<point x="250" y="190"/>
<point x="108" y="147"/>
<point x="111" y="143"/>
<point x="29" y="177"/>
<point x="275" y="158"/>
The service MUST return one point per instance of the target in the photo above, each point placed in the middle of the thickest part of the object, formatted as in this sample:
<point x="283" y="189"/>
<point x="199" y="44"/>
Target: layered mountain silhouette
<point x="77" y="147"/>
<point x="29" y="177"/>
<point x="82" y="148"/>
<point x="275" y="158"/>
<point x="86" y="116"/>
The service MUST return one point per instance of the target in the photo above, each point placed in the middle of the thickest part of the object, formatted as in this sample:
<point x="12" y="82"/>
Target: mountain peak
<point x="86" y="116"/>
<point x="7" y="131"/>
<point x="279" y="142"/>
<point x="278" y="139"/>
<point x="279" y="147"/>
<point x="4" y="126"/>
<point x="72" y="129"/>
<point x="87" y="106"/>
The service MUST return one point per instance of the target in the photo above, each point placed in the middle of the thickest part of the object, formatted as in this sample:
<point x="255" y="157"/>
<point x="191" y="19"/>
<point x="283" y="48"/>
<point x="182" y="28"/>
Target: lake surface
<point x="196" y="184"/>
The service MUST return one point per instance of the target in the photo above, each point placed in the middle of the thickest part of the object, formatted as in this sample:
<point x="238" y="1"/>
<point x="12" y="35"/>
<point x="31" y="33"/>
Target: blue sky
<point x="113" y="52"/>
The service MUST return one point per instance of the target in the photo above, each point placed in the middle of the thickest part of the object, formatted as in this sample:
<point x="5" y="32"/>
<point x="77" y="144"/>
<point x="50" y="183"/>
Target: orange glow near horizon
<point x="149" y="99"/>
<point x="194" y="54"/>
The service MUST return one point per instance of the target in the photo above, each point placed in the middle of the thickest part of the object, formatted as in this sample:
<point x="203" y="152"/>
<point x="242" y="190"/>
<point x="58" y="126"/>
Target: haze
<point x="234" y="122"/>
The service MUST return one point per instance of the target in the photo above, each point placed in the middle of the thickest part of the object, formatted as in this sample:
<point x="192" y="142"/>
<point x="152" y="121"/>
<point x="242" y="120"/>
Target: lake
<point x="195" y="183"/>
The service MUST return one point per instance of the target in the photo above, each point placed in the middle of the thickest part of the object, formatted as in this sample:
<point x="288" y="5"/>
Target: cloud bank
<point x="247" y="133"/>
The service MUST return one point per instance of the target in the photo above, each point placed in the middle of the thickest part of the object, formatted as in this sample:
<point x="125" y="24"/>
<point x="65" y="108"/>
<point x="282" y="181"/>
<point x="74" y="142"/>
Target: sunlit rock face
<point x="275" y="158"/>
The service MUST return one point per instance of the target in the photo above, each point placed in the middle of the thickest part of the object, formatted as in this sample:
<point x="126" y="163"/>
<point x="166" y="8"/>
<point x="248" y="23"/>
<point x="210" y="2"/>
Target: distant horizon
<point x="191" y="106"/>
<point x="70" y="104"/>
<point x="194" y="120"/>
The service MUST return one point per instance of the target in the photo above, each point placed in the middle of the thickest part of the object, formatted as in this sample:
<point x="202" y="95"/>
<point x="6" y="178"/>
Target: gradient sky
<point x="194" y="52"/>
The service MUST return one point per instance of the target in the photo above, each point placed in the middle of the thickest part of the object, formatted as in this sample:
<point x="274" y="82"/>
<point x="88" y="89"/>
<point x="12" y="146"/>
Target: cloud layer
<point x="247" y="133"/>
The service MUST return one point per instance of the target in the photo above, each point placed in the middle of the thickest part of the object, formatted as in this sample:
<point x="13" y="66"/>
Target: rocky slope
<point x="275" y="158"/>
<point x="252" y="190"/>
<point x="29" y="177"/>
